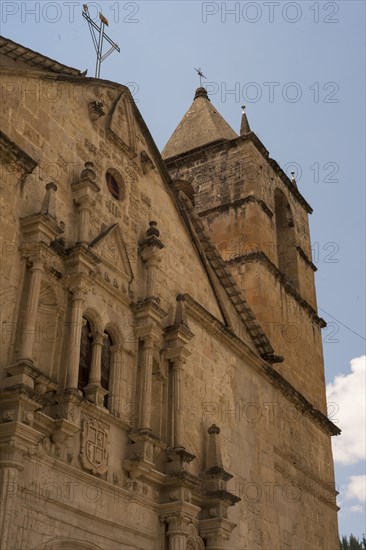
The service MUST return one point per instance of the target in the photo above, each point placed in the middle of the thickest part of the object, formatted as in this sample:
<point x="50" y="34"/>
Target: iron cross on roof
<point x="201" y="75"/>
<point x="98" y="41"/>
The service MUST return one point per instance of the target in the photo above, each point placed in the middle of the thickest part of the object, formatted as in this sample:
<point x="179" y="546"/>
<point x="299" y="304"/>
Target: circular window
<point x="115" y="184"/>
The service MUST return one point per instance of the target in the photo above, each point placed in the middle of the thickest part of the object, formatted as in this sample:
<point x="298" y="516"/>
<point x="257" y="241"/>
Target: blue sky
<point x="299" y="69"/>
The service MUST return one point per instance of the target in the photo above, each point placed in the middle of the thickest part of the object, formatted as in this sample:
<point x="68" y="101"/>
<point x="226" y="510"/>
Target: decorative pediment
<point x="120" y="125"/>
<point x="11" y="153"/>
<point x="111" y="249"/>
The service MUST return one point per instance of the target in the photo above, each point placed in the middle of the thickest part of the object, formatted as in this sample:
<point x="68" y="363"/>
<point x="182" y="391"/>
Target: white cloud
<point x="347" y="408"/>
<point x="356" y="488"/>
<point x="357" y="509"/>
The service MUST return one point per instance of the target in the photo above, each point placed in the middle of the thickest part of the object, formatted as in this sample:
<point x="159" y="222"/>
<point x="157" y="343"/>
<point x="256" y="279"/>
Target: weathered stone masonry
<point x="153" y="395"/>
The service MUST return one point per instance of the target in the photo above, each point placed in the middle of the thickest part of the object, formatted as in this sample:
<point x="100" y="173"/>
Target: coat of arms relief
<point x="94" y="447"/>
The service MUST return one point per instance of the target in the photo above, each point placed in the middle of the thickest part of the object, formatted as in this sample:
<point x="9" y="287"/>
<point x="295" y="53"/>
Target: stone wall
<point x="75" y="473"/>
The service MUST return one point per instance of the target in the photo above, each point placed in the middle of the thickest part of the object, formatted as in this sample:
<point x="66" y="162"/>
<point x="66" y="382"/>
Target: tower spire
<point x="244" y="128"/>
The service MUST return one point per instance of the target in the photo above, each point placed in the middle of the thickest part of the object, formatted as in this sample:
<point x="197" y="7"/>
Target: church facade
<point x="162" y="378"/>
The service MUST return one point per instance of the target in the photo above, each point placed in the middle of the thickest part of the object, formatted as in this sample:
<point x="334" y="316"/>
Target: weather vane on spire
<point x="201" y="75"/>
<point x="98" y="42"/>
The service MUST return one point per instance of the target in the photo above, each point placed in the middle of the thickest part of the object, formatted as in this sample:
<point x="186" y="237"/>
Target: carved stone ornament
<point x="94" y="446"/>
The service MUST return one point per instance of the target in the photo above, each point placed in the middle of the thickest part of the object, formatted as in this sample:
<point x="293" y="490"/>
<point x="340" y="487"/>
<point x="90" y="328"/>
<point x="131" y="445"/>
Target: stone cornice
<point x="261" y="257"/>
<point x="301" y="402"/>
<point x="114" y="491"/>
<point x="304" y="484"/>
<point x="213" y="148"/>
<point x="10" y="151"/>
<point x="304" y="256"/>
<point x="291" y="461"/>
<point x="218" y="327"/>
<point x="278" y="170"/>
<point x="237" y="204"/>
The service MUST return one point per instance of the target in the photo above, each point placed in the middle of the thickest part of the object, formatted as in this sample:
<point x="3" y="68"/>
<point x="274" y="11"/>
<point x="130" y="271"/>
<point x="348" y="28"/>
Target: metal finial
<point x="98" y="42"/>
<point x="243" y="109"/>
<point x="293" y="177"/>
<point x="201" y="75"/>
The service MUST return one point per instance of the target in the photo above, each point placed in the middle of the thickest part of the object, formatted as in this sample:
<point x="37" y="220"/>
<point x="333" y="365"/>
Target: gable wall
<point x="216" y="379"/>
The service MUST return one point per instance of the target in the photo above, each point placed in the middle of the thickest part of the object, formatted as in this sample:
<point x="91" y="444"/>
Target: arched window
<point x="106" y="365"/>
<point x="286" y="240"/>
<point x="85" y="355"/>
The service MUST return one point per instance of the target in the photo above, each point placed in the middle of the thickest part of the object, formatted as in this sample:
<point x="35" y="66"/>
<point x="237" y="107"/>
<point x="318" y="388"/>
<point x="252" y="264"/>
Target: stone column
<point x="178" y="532"/>
<point x="177" y="337"/>
<point x="77" y="305"/>
<point x="9" y="488"/>
<point x="150" y="251"/>
<point x="84" y="206"/>
<point x="30" y="314"/>
<point x="151" y="267"/>
<point x="94" y="391"/>
<point x="178" y="403"/>
<point x="216" y="541"/>
<point x="147" y="363"/>
<point x="95" y="367"/>
<point x="85" y="191"/>
<point x="10" y="465"/>
<point x="115" y="380"/>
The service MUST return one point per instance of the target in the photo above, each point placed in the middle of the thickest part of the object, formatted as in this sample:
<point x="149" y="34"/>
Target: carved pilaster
<point x="49" y="201"/>
<point x="150" y="252"/>
<point x="214" y="525"/>
<point x="147" y="365"/>
<point x="85" y="191"/>
<point x="14" y="427"/>
<point x="148" y="316"/>
<point x="177" y="337"/>
<point x="178" y="531"/>
<point x="30" y="314"/>
<point x="9" y="481"/>
<point x="140" y="455"/>
<point x="115" y="397"/>
<point x="42" y="227"/>
<point x="77" y="305"/>
<point x="216" y="532"/>
<point x="178" y="514"/>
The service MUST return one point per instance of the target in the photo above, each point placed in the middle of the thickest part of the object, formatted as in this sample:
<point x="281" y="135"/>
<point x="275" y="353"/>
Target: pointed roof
<point x="202" y="124"/>
<point x="244" y="128"/>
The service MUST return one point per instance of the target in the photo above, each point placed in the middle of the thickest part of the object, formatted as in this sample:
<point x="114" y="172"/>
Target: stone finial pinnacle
<point x="88" y="172"/>
<point x="293" y="179"/>
<point x="153" y="230"/>
<point x="201" y="92"/>
<point x="180" y="312"/>
<point x="152" y="237"/>
<point x="49" y="201"/>
<point x="244" y="128"/>
<point x="214" y="459"/>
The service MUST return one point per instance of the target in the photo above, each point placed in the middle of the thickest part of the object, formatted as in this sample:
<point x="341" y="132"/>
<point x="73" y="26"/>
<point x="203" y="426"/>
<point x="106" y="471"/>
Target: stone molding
<point x="12" y="153"/>
<point x="213" y="148"/>
<point x="237" y="204"/>
<point x="260" y="256"/>
<point x="301" y="402"/>
<point x="306" y="259"/>
<point x="285" y="462"/>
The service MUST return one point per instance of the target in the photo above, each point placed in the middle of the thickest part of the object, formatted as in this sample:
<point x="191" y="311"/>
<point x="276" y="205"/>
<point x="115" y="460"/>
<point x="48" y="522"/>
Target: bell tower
<point x="258" y="220"/>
